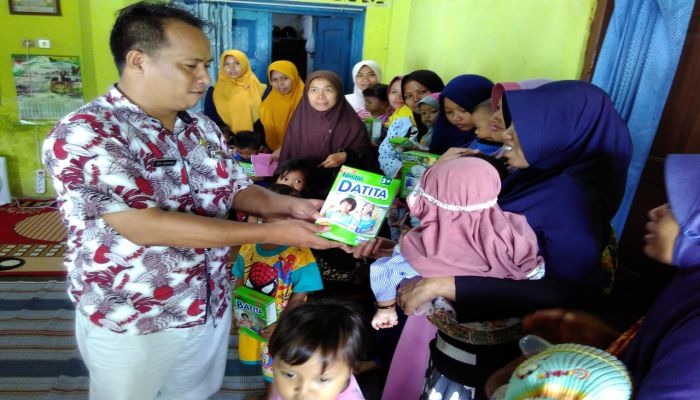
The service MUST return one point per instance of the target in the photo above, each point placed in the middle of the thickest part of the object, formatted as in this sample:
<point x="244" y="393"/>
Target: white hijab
<point x="356" y="99"/>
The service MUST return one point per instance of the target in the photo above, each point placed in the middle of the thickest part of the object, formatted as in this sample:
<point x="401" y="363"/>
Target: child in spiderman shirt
<point x="285" y="273"/>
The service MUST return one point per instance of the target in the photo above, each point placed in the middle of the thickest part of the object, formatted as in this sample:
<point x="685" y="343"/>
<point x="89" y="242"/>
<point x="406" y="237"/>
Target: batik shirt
<point x="111" y="156"/>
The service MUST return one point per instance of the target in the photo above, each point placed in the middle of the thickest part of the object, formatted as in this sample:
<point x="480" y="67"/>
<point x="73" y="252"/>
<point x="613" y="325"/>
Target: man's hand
<point x="334" y="160"/>
<point x="375" y="248"/>
<point x="296" y="233"/>
<point x="304" y="209"/>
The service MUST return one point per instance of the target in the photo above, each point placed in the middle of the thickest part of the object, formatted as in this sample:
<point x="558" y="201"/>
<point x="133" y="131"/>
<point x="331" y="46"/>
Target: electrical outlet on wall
<point x="40" y="181"/>
<point x="43" y="43"/>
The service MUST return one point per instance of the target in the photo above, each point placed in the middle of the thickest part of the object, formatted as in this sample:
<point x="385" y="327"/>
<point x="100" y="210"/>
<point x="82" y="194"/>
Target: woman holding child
<point x="455" y="125"/>
<point x="571" y="149"/>
<point x="414" y="86"/>
<point x="326" y="131"/>
<point x="365" y="74"/>
<point x="661" y="352"/>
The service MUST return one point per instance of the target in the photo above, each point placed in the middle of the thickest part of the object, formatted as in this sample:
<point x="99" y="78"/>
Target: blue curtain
<point x="636" y="66"/>
<point x="219" y="16"/>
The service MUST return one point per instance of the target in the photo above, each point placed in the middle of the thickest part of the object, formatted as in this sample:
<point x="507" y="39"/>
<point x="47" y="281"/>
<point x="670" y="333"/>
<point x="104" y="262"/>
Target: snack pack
<point x="356" y="205"/>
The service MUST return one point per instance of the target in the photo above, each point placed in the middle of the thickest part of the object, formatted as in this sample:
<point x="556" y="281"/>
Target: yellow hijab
<point x="277" y="108"/>
<point x="237" y="101"/>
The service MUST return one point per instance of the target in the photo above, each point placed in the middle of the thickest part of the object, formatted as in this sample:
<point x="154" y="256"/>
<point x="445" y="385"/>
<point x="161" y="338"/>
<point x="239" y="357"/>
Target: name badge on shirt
<point x="166" y="162"/>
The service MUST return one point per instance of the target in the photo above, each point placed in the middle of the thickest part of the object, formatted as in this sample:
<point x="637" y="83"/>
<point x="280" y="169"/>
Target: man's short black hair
<point x="141" y="26"/>
<point x="247" y="140"/>
<point x="379" y="91"/>
<point x="332" y="328"/>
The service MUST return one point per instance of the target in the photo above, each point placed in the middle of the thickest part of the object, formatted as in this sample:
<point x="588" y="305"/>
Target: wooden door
<point x="333" y="37"/>
<point x="252" y="34"/>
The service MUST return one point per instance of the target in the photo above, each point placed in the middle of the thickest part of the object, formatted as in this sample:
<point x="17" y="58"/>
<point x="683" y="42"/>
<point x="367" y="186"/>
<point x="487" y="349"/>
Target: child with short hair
<point x="294" y="173"/>
<point x="245" y="145"/>
<point x="285" y="273"/>
<point x="314" y="349"/>
<point x="485" y="142"/>
<point x="377" y="102"/>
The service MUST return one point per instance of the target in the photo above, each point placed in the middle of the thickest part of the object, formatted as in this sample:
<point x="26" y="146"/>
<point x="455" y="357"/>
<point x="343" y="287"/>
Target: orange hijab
<point x="237" y="100"/>
<point x="277" y="108"/>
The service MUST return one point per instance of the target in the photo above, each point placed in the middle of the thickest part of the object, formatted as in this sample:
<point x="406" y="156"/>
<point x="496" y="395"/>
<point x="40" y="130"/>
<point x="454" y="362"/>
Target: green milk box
<point x="247" y="168"/>
<point x="414" y="165"/>
<point x="356" y="205"/>
<point x="253" y="311"/>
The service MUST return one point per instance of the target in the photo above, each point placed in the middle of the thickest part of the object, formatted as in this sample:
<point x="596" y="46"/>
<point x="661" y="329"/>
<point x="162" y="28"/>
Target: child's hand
<point x="275" y="155"/>
<point x="267" y="331"/>
<point x="385" y="318"/>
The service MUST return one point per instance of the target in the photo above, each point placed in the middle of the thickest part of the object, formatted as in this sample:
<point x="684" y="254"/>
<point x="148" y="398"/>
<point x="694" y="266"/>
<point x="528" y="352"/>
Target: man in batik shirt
<point x="144" y="188"/>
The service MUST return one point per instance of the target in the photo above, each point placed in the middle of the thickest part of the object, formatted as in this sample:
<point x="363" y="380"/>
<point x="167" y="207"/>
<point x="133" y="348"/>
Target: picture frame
<point x="35" y="7"/>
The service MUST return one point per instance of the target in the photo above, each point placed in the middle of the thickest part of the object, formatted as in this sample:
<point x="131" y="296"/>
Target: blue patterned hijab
<point x="467" y="91"/>
<point x="578" y="149"/>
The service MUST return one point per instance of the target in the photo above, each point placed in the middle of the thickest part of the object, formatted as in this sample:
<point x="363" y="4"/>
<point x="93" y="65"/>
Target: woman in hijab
<point x="497" y="123"/>
<point x="278" y="107"/>
<point x="234" y="101"/>
<point x="327" y="132"/>
<point x="571" y="150"/>
<point x="662" y="352"/>
<point x="365" y="73"/>
<point x="414" y="87"/>
<point x="455" y="126"/>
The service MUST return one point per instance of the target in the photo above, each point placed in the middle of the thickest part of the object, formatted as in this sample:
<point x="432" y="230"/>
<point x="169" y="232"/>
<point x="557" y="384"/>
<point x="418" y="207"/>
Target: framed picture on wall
<point x="35" y="7"/>
<point x="48" y="87"/>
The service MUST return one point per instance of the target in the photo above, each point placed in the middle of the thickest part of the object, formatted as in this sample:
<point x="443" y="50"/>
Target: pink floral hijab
<point x="462" y="229"/>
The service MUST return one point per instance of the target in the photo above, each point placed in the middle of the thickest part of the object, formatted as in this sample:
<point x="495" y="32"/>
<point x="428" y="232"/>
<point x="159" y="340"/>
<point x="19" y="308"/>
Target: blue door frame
<point x="355" y="13"/>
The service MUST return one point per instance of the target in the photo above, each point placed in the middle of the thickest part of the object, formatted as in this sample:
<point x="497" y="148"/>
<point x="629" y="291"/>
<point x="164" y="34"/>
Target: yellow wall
<point x="18" y="142"/>
<point x="82" y="29"/>
<point x="500" y="39"/>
